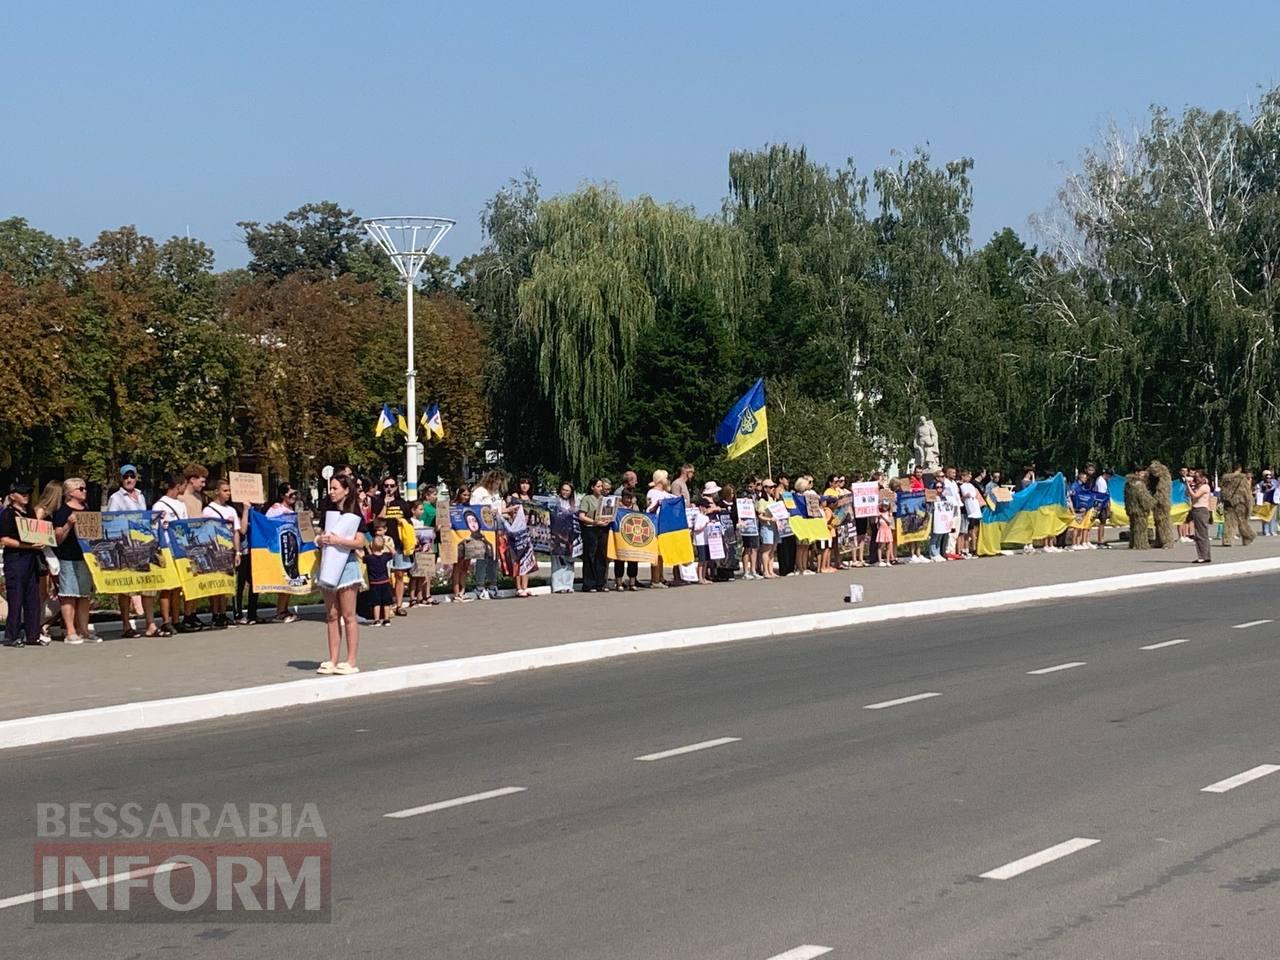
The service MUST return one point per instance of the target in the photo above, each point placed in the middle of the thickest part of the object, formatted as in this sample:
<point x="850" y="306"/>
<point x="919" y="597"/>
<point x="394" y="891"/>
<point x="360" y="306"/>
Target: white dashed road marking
<point x="806" y="952"/>
<point x="166" y="867"/>
<point x="1165" y="643"/>
<point x="901" y="700"/>
<point x="1240" y="779"/>
<point x="1056" y="668"/>
<point x="456" y="802"/>
<point x="1056" y="852"/>
<point x="691" y="748"/>
<point x="1250" y="623"/>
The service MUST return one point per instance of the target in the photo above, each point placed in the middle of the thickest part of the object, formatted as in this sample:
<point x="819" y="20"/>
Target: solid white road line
<point x="1250" y="623"/>
<point x="805" y="952"/>
<point x="901" y="700"/>
<point x="1055" y="669"/>
<point x="166" y="867"/>
<point x="1240" y="779"/>
<point x="457" y="802"/>
<point x="1165" y="643"/>
<point x="691" y="748"/>
<point x="1056" y="852"/>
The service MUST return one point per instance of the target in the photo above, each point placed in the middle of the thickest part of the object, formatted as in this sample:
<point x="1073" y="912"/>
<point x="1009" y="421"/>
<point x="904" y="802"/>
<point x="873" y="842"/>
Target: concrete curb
<point x="103" y="721"/>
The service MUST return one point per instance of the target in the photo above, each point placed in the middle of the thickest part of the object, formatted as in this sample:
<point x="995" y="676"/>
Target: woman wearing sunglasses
<point x="389" y="505"/>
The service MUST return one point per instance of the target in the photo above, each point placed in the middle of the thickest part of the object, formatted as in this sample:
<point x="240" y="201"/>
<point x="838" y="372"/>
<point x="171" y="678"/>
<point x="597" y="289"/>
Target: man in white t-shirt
<point x="171" y="507"/>
<point x="219" y="508"/>
<point x="970" y="516"/>
<point x="1102" y="488"/>
<point x="129" y="497"/>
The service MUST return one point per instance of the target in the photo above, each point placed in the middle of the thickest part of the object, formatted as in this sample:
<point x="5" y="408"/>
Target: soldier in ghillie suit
<point x="1160" y="485"/>
<point x="1236" y="490"/>
<point x="1138" y="504"/>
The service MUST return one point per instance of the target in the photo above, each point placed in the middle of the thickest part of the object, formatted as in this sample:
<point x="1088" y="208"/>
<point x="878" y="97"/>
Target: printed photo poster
<point x="715" y="542"/>
<point x="912" y="517"/>
<point x="633" y="536"/>
<point x="280" y="561"/>
<point x="781" y="517"/>
<point x="566" y="535"/>
<point x="943" y="517"/>
<point x="518" y="553"/>
<point x="748" y="525"/>
<point x="424" y="551"/>
<point x="475" y="530"/>
<point x="128" y="554"/>
<point x="866" y="499"/>
<point x="608" y="507"/>
<point x="537" y="513"/>
<point x="204" y="553"/>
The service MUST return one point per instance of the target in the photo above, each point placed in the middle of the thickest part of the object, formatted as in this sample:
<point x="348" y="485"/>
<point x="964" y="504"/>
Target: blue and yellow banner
<point x="478" y="522"/>
<point x="204" y="552"/>
<point x="129" y="554"/>
<point x="1039" y="511"/>
<point x="912" y="517"/>
<point x="746" y="424"/>
<point x="633" y="536"/>
<point x="675" y="542"/>
<point x="281" y="562"/>
<point x="807" y="521"/>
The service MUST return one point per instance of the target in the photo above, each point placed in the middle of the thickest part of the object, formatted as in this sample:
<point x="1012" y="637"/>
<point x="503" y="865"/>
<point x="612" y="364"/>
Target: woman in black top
<point x="390" y="506"/>
<point x="21" y="571"/>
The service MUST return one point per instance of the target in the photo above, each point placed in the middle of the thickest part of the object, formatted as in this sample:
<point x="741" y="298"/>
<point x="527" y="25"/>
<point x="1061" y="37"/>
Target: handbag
<point x="49" y="561"/>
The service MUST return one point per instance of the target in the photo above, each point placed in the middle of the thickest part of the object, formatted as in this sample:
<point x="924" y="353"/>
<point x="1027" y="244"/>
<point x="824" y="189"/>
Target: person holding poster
<point x="767" y="526"/>
<point x="286" y="503"/>
<point x="75" y="588"/>
<point x="521" y="496"/>
<point x="344" y="530"/>
<point x="21" y="571"/>
<point x="564" y="532"/>
<point x="129" y="498"/>
<point x="170" y="507"/>
<point x="220" y="508"/>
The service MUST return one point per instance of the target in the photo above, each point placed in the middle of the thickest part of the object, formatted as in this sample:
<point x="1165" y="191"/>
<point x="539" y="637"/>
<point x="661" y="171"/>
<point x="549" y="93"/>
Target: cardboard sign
<point x="247" y="487"/>
<point x="36" y="531"/>
<point x="1002" y="494"/>
<point x="89" y="525"/>
<point x="306" y="526"/>
<point x="930" y="496"/>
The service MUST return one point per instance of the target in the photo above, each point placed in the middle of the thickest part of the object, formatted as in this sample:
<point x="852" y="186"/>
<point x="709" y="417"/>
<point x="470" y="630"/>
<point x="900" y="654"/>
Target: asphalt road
<point x="824" y="823"/>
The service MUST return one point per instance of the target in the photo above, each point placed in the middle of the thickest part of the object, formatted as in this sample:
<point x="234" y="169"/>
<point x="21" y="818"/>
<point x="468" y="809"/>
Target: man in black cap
<point x="21" y="570"/>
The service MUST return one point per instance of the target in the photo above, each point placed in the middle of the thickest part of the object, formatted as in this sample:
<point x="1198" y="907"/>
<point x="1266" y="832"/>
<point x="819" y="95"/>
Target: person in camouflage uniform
<point x="1138" y="504"/>
<point x="1236" y="490"/>
<point x="1160" y="484"/>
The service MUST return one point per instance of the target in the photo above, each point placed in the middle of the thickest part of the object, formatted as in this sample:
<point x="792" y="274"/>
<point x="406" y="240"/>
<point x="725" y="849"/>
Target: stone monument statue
<point x="927" y="446"/>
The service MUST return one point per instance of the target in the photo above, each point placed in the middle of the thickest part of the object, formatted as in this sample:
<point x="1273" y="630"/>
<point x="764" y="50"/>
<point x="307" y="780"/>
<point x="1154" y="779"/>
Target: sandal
<point x="326" y="669"/>
<point x="166" y="630"/>
<point x="401" y="612"/>
<point x="128" y="633"/>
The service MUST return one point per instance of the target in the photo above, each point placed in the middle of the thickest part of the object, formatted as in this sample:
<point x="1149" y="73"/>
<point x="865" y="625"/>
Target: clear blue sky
<point x="198" y="114"/>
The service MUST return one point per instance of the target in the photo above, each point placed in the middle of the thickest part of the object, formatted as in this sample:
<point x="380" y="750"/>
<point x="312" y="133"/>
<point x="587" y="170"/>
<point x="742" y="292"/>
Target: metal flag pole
<point x="408" y="241"/>
<point x="768" y="452"/>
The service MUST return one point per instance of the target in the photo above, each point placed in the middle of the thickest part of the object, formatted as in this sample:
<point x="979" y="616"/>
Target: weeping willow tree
<point x="603" y="266"/>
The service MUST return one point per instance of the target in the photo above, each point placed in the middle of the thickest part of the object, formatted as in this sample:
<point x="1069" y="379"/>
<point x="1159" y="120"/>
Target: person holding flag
<point x="746" y="424"/>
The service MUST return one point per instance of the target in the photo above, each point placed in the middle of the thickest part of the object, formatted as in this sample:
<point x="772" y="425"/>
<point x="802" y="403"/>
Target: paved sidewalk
<point x="37" y="681"/>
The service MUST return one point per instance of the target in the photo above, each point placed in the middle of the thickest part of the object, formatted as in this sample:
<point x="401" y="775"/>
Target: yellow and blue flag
<point x="1119" y="517"/>
<point x="280" y="561"/>
<point x="1039" y="511"/>
<point x="401" y="422"/>
<point x="747" y="423"/>
<point x="385" y="421"/>
<point x="431" y="422"/>
<point x="675" y="542"/>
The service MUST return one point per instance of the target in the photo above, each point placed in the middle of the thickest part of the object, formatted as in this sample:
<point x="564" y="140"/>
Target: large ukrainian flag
<point x="1039" y="511"/>
<point x="746" y="425"/>
<point x="675" y="543"/>
<point x="1179" y="512"/>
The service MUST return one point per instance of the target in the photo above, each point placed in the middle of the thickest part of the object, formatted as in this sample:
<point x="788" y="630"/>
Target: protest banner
<point x="633" y="536"/>
<point x="474" y="530"/>
<point x="911" y="517"/>
<point x="942" y="518"/>
<point x="204" y="553"/>
<point x="37" y="532"/>
<point x="89" y="525"/>
<point x="748" y="525"/>
<point x="537" y="514"/>
<point x="566" y="535"/>
<point x="279" y="561"/>
<point x="424" y="552"/>
<point x="715" y="542"/>
<point x="781" y="517"/>
<point x="247" y="487"/>
<point x="866" y="499"/>
<point x="520" y="554"/>
<point x="129" y="554"/>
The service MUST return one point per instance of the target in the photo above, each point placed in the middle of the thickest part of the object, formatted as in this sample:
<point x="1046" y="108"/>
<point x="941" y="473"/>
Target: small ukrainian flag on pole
<point x="400" y="421"/>
<point x="432" y="422"/>
<point x="385" y="421"/>
<point x="747" y="423"/>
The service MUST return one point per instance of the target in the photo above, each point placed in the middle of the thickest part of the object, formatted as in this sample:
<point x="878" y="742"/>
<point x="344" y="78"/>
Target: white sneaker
<point x="1028" y="548"/>
<point x="482" y="594"/>
<point x="810" y="573"/>
<point x="937" y="559"/>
